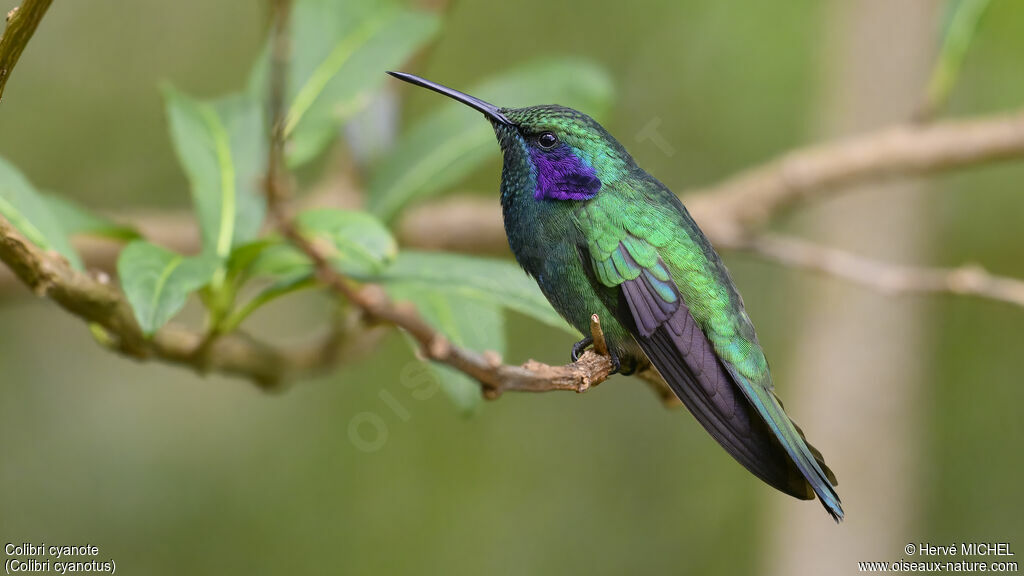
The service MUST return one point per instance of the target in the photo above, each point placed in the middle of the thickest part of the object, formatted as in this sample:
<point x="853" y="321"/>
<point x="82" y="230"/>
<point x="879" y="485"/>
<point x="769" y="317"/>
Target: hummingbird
<point x="602" y="236"/>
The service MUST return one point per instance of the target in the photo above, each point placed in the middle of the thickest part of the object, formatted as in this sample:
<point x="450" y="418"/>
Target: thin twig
<point x="21" y="24"/>
<point x="970" y="280"/>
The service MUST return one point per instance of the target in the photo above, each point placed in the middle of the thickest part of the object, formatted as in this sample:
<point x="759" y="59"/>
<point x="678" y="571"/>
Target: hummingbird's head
<point x="553" y="152"/>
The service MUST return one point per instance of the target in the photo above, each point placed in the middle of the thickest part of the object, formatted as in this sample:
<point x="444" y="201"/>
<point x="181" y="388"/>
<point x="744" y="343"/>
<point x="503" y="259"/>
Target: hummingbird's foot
<point x="579" y="347"/>
<point x="628" y="370"/>
<point x="616" y="364"/>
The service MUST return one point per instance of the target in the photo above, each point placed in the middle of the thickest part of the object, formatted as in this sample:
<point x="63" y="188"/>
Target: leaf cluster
<point x="340" y="51"/>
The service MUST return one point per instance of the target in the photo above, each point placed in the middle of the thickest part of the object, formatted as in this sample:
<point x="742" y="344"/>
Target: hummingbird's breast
<point x="545" y="240"/>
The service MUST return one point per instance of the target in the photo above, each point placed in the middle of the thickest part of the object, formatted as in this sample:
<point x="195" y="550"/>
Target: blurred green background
<point x="171" y="473"/>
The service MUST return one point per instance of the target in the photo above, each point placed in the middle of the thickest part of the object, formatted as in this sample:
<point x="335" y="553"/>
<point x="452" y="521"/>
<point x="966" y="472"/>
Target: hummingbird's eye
<point x="547" y="140"/>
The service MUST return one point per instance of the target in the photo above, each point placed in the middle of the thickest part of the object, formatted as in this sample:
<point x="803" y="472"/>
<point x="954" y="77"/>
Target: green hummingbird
<point x="602" y="236"/>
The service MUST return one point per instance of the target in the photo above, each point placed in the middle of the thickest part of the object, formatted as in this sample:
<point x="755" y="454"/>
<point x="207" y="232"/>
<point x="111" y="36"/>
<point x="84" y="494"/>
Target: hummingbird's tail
<point x="745" y="418"/>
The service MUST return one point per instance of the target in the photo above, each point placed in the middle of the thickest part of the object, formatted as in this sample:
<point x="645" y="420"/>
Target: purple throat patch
<point x="561" y="175"/>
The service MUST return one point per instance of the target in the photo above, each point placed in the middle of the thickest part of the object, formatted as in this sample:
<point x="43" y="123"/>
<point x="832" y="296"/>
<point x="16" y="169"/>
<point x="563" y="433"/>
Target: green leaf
<point x="76" y="220"/>
<point x="339" y="55"/>
<point x="477" y="324"/>
<point x="28" y="211"/>
<point x="222" y="147"/>
<point x="157" y="281"/>
<point x="359" y="243"/>
<point x="449" y="144"/>
<point x="278" y="260"/>
<point x="498" y="282"/>
<point x="243" y="257"/>
<point x="284" y="286"/>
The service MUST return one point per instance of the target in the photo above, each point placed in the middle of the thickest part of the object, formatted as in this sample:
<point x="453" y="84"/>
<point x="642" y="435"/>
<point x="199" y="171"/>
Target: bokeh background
<point x="914" y="401"/>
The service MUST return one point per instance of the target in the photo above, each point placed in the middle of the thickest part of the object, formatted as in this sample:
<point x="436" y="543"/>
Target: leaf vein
<point x="161" y="282"/>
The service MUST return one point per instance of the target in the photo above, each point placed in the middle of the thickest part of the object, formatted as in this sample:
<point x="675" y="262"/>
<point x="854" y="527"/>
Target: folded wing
<point x="744" y="416"/>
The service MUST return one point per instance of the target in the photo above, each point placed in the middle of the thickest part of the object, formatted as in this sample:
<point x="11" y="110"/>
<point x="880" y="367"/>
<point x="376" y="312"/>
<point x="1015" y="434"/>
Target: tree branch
<point x="98" y="303"/>
<point x="746" y="202"/>
<point x="21" y="24"/>
<point x="885" y="277"/>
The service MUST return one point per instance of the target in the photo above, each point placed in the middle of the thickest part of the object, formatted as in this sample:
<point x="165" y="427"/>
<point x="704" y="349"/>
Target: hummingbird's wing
<point x="665" y="284"/>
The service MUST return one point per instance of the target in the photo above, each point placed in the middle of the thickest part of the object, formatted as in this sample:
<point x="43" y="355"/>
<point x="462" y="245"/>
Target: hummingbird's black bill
<point x="489" y="110"/>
